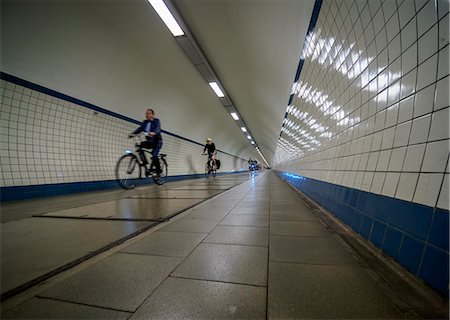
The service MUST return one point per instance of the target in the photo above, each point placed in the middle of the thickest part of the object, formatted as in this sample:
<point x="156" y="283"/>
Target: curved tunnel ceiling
<point x="254" y="46"/>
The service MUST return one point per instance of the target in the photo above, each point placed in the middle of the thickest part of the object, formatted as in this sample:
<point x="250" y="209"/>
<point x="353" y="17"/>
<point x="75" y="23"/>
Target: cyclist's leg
<point x="146" y="145"/>
<point x="155" y="159"/>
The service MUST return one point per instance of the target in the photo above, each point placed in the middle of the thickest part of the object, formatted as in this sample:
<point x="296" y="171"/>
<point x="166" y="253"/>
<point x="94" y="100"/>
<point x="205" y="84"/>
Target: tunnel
<point x="224" y="159"/>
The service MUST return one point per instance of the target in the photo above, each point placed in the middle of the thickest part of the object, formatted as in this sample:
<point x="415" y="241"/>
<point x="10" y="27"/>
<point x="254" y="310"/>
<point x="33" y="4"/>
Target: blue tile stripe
<point x="55" y="189"/>
<point x="415" y="235"/>
<point x="62" y="96"/>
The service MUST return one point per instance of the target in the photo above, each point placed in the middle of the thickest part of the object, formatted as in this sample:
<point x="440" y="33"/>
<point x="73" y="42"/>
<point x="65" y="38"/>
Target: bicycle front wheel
<point x="128" y="171"/>
<point x="164" y="172"/>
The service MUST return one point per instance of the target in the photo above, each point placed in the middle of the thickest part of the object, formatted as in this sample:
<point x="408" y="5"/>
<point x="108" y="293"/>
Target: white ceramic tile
<point x="424" y="101"/>
<point x="388" y="138"/>
<point x="443" y="32"/>
<point x="426" y="17"/>
<point x="406" y="109"/>
<point x="409" y="34"/>
<point x="443" y="7"/>
<point x="428" y="44"/>
<point x="413" y="158"/>
<point x="440" y="125"/>
<point x="419" y="130"/>
<point x="406" y="186"/>
<point x="442" y="94"/>
<point x="436" y="156"/>
<point x="396" y="160"/>
<point x="390" y="184"/>
<point x="427" y="72"/>
<point x="428" y="188"/>
<point x="377" y="183"/>
<point x="406" y="12"/>
<point x="443" y="63"/>
<point x="443" y="201"/>
<point x="409" y="59"/>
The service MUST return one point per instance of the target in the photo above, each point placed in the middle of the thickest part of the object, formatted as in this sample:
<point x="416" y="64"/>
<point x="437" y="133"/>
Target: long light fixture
<point x="216" y="89"/>
<point x="244" y="129"/>
<point x="235" y="116"/>
<point x="249" y="137"/>
<point x="167" y="17"/>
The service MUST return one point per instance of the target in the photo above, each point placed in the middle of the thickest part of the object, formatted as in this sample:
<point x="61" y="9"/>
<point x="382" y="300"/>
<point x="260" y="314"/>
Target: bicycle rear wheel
<point x="128" y="171"/>
<point x="164" y="171"/>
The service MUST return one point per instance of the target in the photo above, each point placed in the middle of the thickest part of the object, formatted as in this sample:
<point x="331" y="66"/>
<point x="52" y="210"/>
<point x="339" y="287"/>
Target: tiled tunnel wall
<point x="47" y="140"/>
<point x="366" y="132"/>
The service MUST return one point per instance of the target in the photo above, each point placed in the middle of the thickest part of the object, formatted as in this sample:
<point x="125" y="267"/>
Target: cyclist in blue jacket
<point x="152" y="127"/>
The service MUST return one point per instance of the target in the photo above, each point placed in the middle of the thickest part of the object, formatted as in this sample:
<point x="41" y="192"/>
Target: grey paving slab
<point x="328" y="250"/>
<point x="288" y="207"/>
<point x="325" y="292"/>
<point x="164" y="243"/>
<point x="207" y="214"/>
<point x="201" y="188"/>
<point x="183" y="194"/>
<point x="227" y="263"/>
<point x="42" y="308"/>
<point x="298" y="228"/>
<point x="122" y="281"/>
<point x="250" y="210"/>
<point x="292" y="215"/>
<point x="191" y="225"/>
<point x="250" y="220"/>
<point x="196" y="299"/>
<point x="34" y="246"/>
<point x="128" y="209"/>
<point x="239" y="235"/>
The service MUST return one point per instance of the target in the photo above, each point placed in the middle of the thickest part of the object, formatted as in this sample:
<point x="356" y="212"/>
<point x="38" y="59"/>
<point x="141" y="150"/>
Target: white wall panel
<point x="46" y="140"/>
<point x="371" y="107"/>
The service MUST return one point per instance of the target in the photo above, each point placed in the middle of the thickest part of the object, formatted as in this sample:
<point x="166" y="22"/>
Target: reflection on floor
<point x="41" y="235"/>
<point x="254" y="252"/>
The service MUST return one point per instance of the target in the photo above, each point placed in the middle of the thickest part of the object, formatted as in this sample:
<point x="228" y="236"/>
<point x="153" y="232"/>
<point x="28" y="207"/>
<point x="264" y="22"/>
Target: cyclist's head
<point x="209" y="140"/>
<point x="149" y="114"/>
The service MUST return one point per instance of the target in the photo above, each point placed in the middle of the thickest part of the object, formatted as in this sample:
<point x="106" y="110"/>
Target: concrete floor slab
<point x="179" y="194"/>
<point x="169" y="244"/>
<point x="206" y="214"/>
<point x="250" y="210"/>
<point x="34" y="246"/>
<point x="292" y="215"/>
<point x="328" y="250"/>
<point x="239" y="235"/>
<point x="122" y="281"/>
<point x="191" y="225"/>
<point x="128" y="209"/>
<point x="196" y="299"/>
<point x="42" y="308"/>
<point x="249" y="220"/>
<point x="298" y="228"/>
<point x="325" y="292"/>
<point x="226" y="263"/>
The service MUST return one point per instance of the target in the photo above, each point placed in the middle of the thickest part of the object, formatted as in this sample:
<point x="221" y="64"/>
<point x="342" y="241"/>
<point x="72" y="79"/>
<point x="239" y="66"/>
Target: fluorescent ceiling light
<point x="252" y="142"/>
<point x="167" y="17"/>
<point x="243" y="129"/>
<point x="235" y="116"/>
<point x="216" y="89"/>
<point x="249" y="136"/>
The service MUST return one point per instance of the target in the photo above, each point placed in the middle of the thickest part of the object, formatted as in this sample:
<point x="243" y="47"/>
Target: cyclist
<point x="211" y="147"/>
<point x="152" y="127"/>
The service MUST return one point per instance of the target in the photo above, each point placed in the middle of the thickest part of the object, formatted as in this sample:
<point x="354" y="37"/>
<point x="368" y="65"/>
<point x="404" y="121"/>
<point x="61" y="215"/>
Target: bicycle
<point x="210" y="168"/>
<point x="130" y="166"/>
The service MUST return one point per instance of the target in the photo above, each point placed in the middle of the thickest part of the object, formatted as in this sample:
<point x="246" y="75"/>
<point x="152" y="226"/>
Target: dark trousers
<point x="156" y="147"/>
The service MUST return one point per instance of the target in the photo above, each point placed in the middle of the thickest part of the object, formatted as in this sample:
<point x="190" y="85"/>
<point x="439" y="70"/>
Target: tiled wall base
<point x="415" y="235"/>
<point x="45" y="190"/>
